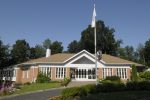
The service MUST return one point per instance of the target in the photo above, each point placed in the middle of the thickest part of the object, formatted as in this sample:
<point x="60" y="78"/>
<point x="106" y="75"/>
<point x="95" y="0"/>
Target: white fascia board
<point x="51" y="66"/>
<point x="117" y="67"/>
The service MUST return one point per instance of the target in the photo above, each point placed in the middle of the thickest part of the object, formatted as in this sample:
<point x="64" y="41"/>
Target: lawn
<point x="36" y="86"/>
<point x="127" y="95"/>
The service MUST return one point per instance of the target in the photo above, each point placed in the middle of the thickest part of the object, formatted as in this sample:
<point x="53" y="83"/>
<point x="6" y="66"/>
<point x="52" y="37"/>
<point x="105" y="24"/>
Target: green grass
<point x="126" y="95"/>
<point x="37" y="86"/>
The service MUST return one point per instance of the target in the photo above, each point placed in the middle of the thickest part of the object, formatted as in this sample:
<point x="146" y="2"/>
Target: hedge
<point x="104" y="87"/>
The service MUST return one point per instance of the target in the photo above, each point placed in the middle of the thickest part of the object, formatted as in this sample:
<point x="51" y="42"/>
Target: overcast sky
<point x="64" y="20"/>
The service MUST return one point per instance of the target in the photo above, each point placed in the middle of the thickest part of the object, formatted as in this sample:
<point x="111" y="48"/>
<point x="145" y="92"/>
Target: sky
<point x="64" y="20"/>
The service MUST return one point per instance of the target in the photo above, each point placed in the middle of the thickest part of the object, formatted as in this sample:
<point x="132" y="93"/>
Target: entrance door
<point x="84" y="74"/>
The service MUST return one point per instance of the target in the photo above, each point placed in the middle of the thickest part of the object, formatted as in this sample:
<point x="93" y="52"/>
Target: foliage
<point x="20" y="51"/>
<point x="37" y="52"/>
<point x="110" y="87"/>
<point x="124" y="95"/>
<point x="4" y="55"/>
<point x="65" y="82"/>
<point x="145" y="75"/>
<point x="105" y="40"/>
<point x="27" y="83"/>
<point x="147" y="52"/>
<point x="56" y="47"/>
<point x="142" y="85"/>
<point x="74" y="47"/>
<point x="113" y="78"/>
<point x="42" y="78"/>
<point x="47" y="43"/>
<point x="134" y="76"/>
<point x="107" y="86"/>
<point x="70" y="92"/>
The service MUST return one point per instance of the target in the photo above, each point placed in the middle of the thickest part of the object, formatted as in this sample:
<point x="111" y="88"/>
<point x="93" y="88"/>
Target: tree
<point x="134" y="76"/>
<point x="56" y="47"/>
<point x="47" y="43"/>
<point x="140" y="52"/>
<point x="4" y="55"/>
<point x="147" y="52"/>
<point x="105" y="39"/>
<point x="20" y="51"/>
<point x="37" y="52"/>
<point x="73" y="47"/>
<point x="129" y="51"/>
<point x="121" y="53"/>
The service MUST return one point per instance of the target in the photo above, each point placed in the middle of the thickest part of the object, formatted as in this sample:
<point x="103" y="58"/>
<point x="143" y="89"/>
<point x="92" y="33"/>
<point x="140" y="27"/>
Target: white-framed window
<point x="107" y="72"/>
<point x="14" y="72"/>
<point x="60" y="73"/>
<point x="122" y="73"/>
<point x="46" y="71"/>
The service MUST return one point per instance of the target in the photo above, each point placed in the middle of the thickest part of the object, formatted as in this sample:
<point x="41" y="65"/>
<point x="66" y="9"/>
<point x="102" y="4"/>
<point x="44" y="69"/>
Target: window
<point x="46" y="71"/>
<point x="107" y="72"/>
<point x="122" y="73"/>
<point x="60" y="73"/>
<point x="14" y="73"/>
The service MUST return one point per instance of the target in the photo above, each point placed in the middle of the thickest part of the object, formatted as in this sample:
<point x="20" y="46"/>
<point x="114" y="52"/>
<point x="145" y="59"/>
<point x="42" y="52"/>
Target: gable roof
<point x="64" y="57"/>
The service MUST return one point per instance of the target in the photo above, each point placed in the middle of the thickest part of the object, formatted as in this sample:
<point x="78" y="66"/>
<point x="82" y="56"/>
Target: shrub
<point x="70" y="92"/>
<point x="27" y="83"/>
<point x="133" y="85"/>
<point x="113" y="78"/>
<point x="18" y="86"/>
<point x="65" y="82"/>
<point x="42" y="78"/>
<point x="110" y="87"/>
<point x="142" y="85"/>
<point x="89" y="88"/>
<point x="134" y="76"/>
<point x="145" y="75"/>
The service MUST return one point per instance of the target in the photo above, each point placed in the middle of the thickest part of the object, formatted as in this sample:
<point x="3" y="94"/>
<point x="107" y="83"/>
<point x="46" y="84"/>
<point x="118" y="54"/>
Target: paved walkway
<point x="40" y="95"/>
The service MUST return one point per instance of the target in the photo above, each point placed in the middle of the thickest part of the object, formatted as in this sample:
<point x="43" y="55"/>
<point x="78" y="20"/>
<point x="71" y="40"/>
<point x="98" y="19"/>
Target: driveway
<point x="40" y="95"/>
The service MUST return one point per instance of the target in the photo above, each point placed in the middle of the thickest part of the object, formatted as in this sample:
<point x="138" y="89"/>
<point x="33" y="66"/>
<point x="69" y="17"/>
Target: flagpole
<point x="95" y="53"/>
<point x="95" y="50"/>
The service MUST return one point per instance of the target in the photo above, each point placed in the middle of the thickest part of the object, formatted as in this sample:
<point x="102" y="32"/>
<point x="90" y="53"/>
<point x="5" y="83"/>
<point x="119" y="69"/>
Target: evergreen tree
<point x="134" y="76"/>
<point x="20" y="51"/>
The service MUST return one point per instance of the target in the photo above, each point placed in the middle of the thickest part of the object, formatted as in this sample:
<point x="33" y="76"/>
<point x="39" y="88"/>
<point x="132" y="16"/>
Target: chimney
<point x="48" y="52"/>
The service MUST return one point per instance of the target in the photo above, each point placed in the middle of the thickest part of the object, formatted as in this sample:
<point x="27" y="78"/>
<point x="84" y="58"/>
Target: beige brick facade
<point x="100" y="73"/>
<point x="30" y="74"/>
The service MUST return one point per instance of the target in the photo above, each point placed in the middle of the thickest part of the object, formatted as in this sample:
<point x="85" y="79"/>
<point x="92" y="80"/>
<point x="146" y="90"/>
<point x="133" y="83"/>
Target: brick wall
<point x="22" y="77"/>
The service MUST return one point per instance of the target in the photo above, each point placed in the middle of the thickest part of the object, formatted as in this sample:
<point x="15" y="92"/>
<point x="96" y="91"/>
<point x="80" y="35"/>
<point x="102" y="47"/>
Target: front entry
<point x="83" y="74"/>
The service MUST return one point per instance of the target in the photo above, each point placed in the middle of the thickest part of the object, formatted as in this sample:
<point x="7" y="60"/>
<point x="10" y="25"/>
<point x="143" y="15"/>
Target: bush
<point x="27" y="83"/>
<point x="18" y="86"/>
<point x="65" y="82"/>
<point x="142" y="85"/>
<point x="70" y="92"/>
<point x="91" y="88"/>
<point x="42" y="78"/>
<point x="145" y="75"/>
<point x="134" y="76"/>
<point x="133" y="85"/>
<point x="110" y="87"/>
<point x="113" y="78"/>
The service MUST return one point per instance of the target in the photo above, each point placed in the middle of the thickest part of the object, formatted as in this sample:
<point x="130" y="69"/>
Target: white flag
<point x="93" y="18"/>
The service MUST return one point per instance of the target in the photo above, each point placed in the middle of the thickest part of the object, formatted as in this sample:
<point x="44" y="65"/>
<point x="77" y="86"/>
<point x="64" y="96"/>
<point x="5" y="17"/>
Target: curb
<point x="9" y="96"/>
